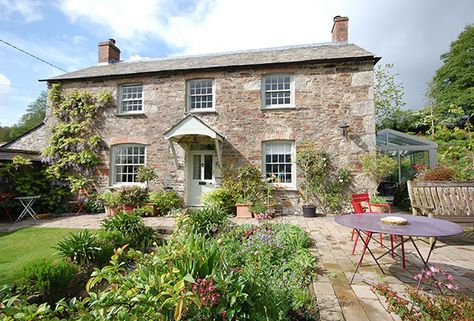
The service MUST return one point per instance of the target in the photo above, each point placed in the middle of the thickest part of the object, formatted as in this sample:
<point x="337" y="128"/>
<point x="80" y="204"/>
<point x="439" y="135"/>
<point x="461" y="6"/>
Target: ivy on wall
<point x="74" y="146"/>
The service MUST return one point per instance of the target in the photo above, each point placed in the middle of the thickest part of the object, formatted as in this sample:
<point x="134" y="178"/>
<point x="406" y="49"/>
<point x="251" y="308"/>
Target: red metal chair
<point x="361" y="204"/>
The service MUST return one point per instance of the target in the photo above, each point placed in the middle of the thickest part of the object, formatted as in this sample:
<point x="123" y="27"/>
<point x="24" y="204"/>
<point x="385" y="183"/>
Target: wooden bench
<point x="451" y="201"/>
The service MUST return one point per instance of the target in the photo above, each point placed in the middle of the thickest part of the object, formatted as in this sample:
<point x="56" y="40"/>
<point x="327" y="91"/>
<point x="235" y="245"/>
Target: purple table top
<point x="417" y="225"/>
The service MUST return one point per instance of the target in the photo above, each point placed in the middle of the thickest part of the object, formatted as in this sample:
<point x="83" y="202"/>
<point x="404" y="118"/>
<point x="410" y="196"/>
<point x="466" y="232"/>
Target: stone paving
<point x="337" y="300"/>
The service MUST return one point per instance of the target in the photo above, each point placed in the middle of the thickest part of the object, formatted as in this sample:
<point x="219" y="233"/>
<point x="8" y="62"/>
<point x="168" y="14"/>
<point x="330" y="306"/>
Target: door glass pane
<point x="207" y="166"/>
<point x="196" y="166"/>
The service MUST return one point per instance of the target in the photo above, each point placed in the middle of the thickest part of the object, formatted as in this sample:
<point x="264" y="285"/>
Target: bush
<point x="220" y="196"/>
<point x="133" y="196"/>
<point x="440" y="173"/>
<point x="53" y="280"/>
<point x="125" y="228"/>
<point x="111" y="199"/>
<point x="165" y="201"/>
<point x="94" y="204"/>
<point x="81" y="248"/>
<point x="207" y="221"/>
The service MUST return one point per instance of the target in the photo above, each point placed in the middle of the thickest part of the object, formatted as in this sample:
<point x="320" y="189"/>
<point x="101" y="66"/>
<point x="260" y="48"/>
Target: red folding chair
<point x="361" y="205"/>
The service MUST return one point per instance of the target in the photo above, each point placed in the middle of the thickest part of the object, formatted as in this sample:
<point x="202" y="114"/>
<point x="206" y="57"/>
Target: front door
<point x="200" y="175"/>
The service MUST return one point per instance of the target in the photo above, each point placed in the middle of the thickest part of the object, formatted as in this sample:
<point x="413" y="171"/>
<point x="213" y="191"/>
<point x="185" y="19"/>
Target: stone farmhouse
<point x="188" y="117"/>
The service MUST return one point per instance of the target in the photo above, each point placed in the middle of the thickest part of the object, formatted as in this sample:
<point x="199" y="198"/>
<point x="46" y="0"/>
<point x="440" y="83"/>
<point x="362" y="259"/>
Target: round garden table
<point x="417" y="226"/>
<point x="27" y="202"/>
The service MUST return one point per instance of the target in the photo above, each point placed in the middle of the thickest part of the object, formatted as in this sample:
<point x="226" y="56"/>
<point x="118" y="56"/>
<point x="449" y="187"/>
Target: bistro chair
<point x="361" y="205"/>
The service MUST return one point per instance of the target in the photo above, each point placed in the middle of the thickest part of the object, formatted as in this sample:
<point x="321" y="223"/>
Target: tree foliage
<point x="35" y="114"/>
<point x="453" y="83"/>
<point x="388" y="94"/>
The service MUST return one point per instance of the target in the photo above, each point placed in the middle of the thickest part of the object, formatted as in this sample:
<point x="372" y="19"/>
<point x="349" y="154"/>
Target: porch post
<point x="219" y="152"/>
<point x="173" y="151"/>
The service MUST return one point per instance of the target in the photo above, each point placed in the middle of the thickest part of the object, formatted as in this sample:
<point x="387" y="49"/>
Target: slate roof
<point x="282" y="55"/>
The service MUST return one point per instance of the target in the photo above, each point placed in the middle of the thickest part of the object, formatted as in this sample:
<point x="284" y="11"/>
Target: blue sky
<point x="410" y="34"/>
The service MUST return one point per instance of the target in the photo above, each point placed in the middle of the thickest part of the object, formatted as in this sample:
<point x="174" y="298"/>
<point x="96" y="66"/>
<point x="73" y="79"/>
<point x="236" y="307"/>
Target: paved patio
<point x="337" y="299"/>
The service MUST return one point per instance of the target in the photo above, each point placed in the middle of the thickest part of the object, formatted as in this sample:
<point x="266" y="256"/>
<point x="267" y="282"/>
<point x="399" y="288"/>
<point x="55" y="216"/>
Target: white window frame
<point x="292" y="92"/>
<point x="188" y="96"/>
<point x="120" y="99"/>
<point x="291" y="185"/>
<point x="113" y="170"/>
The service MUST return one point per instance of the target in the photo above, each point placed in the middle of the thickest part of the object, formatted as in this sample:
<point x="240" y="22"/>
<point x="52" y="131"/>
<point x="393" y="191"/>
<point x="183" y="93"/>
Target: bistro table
<point x="417" y="226"/>
<point x="27" y="202"/>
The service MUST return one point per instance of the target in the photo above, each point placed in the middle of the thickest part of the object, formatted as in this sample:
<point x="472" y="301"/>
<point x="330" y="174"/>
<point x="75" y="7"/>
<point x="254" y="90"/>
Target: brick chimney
<point x="340" y="29"/>
<point x="108" y="52"/>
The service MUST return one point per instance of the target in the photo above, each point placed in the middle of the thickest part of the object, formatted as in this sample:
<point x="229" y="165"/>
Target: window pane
<point x="196" y="166"/>
<point x="200" y="95"/>
<point x="126" y="162"/>
<point x="278" y="161"/>
<point x="207" y="166"/>
<point x="277" y="90"/>
<point x="131" y="98"/>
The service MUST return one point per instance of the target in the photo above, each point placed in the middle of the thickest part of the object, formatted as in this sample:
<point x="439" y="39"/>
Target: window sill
<point x="207" y="111"/>
<point x="124" y="185"/>
<point x="285" y="188"/>
<point x="278" y="108"/>
<point x="141" y="113"/>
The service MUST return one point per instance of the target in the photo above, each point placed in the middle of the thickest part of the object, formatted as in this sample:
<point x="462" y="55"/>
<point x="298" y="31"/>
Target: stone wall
<point x="325" y="95"/>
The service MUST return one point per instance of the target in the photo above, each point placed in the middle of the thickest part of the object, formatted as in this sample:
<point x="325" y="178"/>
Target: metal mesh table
<point x="27" y="202"/>
<point x="417" y="226"/>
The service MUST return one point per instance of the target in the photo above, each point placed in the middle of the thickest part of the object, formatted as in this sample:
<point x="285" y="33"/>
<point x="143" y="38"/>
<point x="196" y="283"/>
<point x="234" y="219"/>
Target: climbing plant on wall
<point x="75" y="144"/>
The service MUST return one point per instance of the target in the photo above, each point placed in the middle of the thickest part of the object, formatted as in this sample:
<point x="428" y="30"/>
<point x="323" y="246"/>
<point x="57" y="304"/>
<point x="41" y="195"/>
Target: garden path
<point x="332" y="247"/>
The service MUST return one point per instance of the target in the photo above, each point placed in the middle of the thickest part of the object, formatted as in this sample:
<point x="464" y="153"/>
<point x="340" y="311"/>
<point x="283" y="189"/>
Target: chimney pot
<point x="340" y="29"/>
<point x="109" y="53"/>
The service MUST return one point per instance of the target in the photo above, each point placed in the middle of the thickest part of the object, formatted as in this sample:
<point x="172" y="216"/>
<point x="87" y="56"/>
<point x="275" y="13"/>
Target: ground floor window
<point x="279" y="162"/>
<point x="126" y="160"/>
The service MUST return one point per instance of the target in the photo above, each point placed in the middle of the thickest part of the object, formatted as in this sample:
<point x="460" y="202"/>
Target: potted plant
<point x="243" y="207"/>
<point x="378" y="204"/>
<point x="112" y="202"/>
<point x="307" y="162"/>
<point x="258" y="209"/>
<point x="378" y="166"/>
<point x="132" y="197"/>
<point x="163" y="202"/>
<point x="146" y="174"/>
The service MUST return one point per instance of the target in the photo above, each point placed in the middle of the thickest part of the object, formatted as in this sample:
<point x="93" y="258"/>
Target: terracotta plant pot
<point x="378" y="208"/>
<point x="111" y="211"/>
<point x="243" y="210"/>
<point x="129" y="208"/>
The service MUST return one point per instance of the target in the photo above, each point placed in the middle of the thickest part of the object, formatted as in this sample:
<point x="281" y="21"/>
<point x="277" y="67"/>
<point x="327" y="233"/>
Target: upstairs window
<point x="131" y="99"/>
<point x="278" y="91"/>
<point x="279" y="162"/>
<point x="126" y="160"/>
<point x="200" y="95"/>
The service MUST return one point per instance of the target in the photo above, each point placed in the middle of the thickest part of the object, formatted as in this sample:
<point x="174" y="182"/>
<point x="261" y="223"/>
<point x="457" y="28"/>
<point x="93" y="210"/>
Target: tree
<point x="35" y="113"/>
<point x="453" y="83"/>
<point x="4" y="134"/>
<point x="388" y="94"/>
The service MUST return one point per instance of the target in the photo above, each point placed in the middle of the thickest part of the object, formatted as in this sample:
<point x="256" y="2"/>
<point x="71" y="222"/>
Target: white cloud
<point x="135" y="58"/>
<point x="29" y="10"/>
<point x="210" y="25"/>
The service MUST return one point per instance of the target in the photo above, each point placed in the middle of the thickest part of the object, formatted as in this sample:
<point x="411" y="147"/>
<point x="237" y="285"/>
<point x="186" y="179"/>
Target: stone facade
<point x="326" y="94"/>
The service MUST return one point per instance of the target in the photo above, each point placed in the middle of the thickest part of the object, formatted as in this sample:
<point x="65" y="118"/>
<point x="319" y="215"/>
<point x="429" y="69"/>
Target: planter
<point x="129" y="208"/>
<point x="309" y="211"/>
<point x="111" y="211"/>
<point x="243" y="210"/>
<point x="43" y="216"/>
<point x="378" y="208"/>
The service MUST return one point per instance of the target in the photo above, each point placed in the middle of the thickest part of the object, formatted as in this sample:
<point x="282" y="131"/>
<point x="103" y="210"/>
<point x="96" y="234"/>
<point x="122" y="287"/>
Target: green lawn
<point x="19" y="247"/>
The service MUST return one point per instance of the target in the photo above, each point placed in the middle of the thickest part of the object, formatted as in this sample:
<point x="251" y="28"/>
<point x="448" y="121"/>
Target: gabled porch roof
<point x="191" y="125"/>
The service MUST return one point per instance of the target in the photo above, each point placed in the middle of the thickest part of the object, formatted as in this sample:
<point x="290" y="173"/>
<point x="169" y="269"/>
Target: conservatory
<point x="409" y="150"/>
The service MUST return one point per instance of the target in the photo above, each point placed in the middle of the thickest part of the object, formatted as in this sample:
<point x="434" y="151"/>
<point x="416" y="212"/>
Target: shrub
<point x="165" y="201"/>
<point x="111" y="199"/>
<point x="378" y="166"/>
<point x="220" y="196"/>
<point x="134" y="196"/>
<point x="440" y="173"/>
<point x="94" y="204"/>
<point x="146" y="174"/>
<point x="80" y="247"/>
<point x="53" y="280"/>
<point x="125" y="228"/>
<point x="207" y="221"/>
